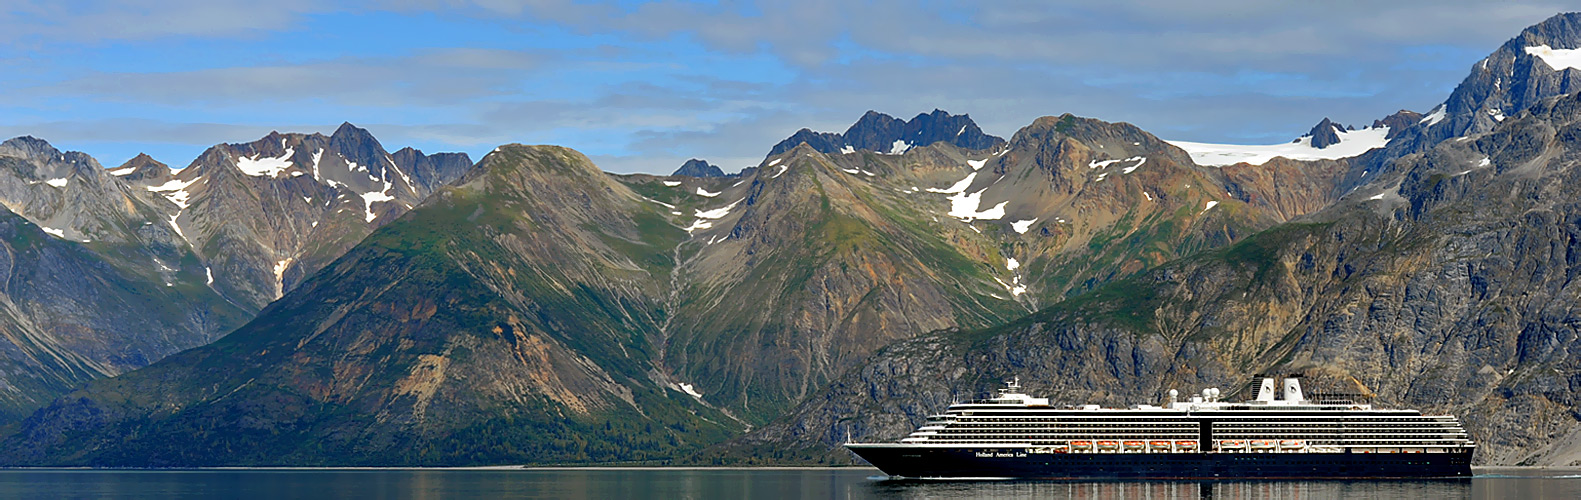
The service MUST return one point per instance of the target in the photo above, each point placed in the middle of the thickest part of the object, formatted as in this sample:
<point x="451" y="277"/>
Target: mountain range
<point x="421" y="310"/>
<point x="179" y="257"/>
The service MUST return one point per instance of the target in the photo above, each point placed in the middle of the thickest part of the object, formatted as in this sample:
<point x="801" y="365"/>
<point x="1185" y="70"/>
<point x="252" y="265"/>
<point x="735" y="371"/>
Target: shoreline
<point x="398" y="468"/>
<point x="561" y="468"/>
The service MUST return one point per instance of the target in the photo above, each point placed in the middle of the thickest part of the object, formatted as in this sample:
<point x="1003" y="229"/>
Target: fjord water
<point x="852" y="483"/>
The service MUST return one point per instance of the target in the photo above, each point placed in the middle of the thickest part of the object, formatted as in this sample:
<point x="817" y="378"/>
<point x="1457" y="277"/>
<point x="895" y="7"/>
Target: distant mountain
<point x="509" y="319"/>
<point x="96" y="281"/>
<point x="882" y="133"/>
<point x="699" y="168"/>
<point x="215" y="242"/>
<point x="263" y="215"/>
<point x="541" y="311"/>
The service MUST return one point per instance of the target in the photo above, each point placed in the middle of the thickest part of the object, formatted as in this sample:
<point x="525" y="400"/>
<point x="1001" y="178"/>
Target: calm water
<point x="717" y="483"/>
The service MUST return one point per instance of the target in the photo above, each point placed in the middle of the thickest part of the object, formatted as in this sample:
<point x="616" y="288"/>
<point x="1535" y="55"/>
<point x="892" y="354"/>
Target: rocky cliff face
<point x="69" y="315"/>
<point x="1445" y="287"/>
<point x="882" y="133"/>
<point x="1521" y="73"/>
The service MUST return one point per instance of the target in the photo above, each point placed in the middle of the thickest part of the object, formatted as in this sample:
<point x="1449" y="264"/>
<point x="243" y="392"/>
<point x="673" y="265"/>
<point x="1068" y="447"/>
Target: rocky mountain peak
<point x="879" y="132"/>
<point x="141" y="168"/>
<point x="1528" y="68"/>
<point x="1398" y="122"/>
<point x="354" y="141"/>
<point x="28" y="147"/>
<point x="699" y="168"/>
<point x="1325" y="134"/>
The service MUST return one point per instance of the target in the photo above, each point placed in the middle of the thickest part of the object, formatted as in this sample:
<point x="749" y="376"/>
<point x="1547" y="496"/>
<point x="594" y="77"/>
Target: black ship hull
<point x="1017" y="463"/>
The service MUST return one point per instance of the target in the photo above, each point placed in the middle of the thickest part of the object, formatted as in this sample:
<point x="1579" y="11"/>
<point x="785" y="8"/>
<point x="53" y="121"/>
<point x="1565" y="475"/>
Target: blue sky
<point x="642" y="86"/>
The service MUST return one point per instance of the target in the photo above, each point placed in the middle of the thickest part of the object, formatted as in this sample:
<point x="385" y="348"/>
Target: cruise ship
<point x="1273" y="434"/>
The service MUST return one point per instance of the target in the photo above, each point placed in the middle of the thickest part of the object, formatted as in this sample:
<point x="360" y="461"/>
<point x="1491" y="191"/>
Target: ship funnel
<point x="1293" y="391"/>
<point x="1266" y="392"/>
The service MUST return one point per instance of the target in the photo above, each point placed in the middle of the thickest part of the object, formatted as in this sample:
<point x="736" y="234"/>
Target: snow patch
<point x="265" y="167"/>
<point x="775" y="162"/>
<point x="1139" y="161"/>
<point x="1210" y="206"/>
<point x="60" y="183"/>
<point x="1436" y="116"/>
<point x="1558" y="59"/>
<point x="1378" y="196"/>
<point x="651" y="200"/>
<point x="1021" y="226"/>
<point x="704" y="192"/>
<point x="1485" y="162"/>
<point x="717" y="213"/>
<point x="209" y="275"/>
<point x="1149" y="196"/>
<point x="976" y="164"/>
<point x="368" y="199"/>
<point x="698" y="224"/>
<point x="957" y="133"/>
<point x="689" y="389"/>
<point x="1351" y="143"/>
<point x="672" y="183"/>
<point x="899" y="146"/>
<point x="847" y="150"/>
<point x="174" y="190"/>
<point x="1011" y="264"/>
<point x="59" y="233"/>
<point x="123" y="171"/>
<point x="959" y="187"/>
<point x="177" y="227"/>
<point x="781" y="172"/>
<point x="966" y="207"/>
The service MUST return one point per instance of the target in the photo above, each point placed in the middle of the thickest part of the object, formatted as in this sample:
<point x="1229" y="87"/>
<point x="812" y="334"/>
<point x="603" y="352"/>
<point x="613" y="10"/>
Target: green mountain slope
<point x="497" y="323"/>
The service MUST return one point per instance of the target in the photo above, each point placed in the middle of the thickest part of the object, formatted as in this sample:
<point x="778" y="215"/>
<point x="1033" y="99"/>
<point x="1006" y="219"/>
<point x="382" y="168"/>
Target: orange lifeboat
<point x="1109" y="445"/>
<point x="1133" y="445"/>
<point x="1262" y="444"/>
<point x="1186" y="445"/>
<point x="1232" y="444"/>
<point x="1291" y="444"/>
<point x="1158" y="445"/>
<point x="1081" y="445"/>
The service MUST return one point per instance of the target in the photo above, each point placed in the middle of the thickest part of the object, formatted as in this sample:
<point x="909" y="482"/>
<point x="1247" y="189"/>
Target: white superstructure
<point x="1282" y="421"/>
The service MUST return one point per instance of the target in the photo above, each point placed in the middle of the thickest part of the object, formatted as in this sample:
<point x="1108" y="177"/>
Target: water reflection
<point x="722" y="483"/>
<point x="1178" y="490"/>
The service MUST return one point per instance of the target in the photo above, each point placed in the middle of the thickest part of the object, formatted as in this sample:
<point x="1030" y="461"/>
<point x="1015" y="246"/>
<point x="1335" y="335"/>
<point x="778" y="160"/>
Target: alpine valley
<point x="311" y="300"/>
